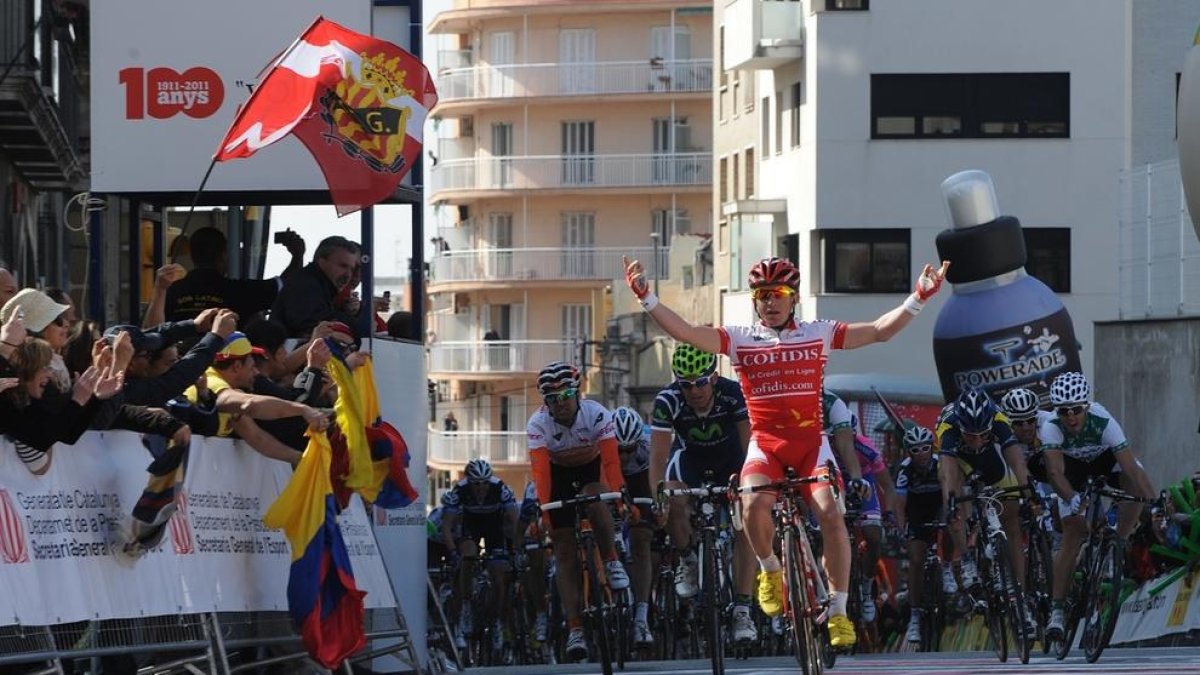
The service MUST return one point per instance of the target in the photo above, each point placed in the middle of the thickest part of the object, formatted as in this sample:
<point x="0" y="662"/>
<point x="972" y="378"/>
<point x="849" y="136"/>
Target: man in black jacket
<point x="307" y="295"/>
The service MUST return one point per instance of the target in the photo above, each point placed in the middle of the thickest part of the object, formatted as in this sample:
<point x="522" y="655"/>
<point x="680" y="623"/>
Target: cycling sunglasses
<point x="698" y="382"/>
<point x="1071" y="410"/>
<point x="1027" y="422"/>
<point x="773" y="293"/>
<point x="560" y="396"/>
<point x="981" y="435"/>
<point x="921" y="449"/>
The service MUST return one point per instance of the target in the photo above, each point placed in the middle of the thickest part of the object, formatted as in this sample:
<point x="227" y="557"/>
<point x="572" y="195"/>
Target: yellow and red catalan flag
<point x="357" y="103"/>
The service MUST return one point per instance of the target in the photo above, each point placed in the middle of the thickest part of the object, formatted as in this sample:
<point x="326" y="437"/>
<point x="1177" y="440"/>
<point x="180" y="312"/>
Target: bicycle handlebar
<point x="786" y="484"/>
<point x="581" y="500"/>
<point x="710" y="491"/>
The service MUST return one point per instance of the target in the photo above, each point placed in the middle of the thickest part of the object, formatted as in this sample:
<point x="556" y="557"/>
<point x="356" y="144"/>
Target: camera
<point x="280" y="237"/>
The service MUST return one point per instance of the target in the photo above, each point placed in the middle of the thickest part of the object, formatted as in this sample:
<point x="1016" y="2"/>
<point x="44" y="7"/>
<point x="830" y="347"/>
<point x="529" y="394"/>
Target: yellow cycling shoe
<point x="770" y="592"/>
<point x="841" y="632"/>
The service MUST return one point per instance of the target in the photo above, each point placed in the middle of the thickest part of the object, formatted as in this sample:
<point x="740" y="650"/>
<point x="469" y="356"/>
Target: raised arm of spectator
<point x="294" y="244"/>
<point x="156" y="312"/>
<point x="263" y="443"/>
<point x="268" y="408"/>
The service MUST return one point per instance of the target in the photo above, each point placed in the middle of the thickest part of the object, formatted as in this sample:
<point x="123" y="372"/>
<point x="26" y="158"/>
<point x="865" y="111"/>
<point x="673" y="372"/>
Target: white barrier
<point x="1176" y="609"/>
<point x="58" y="531"/>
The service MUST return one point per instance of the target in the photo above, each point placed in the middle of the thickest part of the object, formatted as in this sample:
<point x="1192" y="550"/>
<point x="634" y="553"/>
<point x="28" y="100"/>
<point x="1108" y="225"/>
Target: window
<point x="992" y="105"/>
<point x="797" y="90"/>
<point x="721" y="58"/>
<point x="765" y="132"/>
<point x="737" y="186"/>
<point x="1048" y="256"/>
<point x="866" y="261"/>
<point x="847" y="5"/>
<point x="749" y="173"/>
<point x="778" y="122"/>
<point x="724" y="180"/>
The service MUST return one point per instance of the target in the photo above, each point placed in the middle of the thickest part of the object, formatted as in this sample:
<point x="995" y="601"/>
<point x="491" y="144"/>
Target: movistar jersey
<point x="1100" y="434"/>
<point x="715" y="432"/>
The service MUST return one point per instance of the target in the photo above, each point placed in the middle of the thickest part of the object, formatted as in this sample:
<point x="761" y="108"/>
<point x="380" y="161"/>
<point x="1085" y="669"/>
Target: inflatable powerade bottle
<point x="1000" y="328"/>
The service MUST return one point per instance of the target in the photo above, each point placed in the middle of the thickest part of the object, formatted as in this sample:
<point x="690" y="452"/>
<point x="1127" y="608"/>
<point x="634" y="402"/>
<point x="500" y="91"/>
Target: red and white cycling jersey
<point x="781" y="374"/>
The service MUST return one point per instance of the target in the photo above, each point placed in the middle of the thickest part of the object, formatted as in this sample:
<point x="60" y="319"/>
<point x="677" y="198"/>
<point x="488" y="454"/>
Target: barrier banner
<point x="59" y="531"/>
<point x="1176" y="609"/>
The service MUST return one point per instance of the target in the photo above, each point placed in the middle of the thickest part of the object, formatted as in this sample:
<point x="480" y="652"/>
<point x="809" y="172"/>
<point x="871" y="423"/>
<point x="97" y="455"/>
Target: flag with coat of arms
<point x="357" y="103"/>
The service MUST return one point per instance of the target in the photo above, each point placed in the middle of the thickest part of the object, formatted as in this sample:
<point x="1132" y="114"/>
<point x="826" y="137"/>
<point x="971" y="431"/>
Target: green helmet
<point x="886" y="427"/>
<point x="688" y="363"/>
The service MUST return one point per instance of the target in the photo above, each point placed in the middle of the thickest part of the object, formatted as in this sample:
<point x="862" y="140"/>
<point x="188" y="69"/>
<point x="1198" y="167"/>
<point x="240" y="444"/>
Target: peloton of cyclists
<point x="780" y="362"/>
<point x="918" y="503"/>
<point x="1080" y="440"/>
<point x="633" y="447"/>
<point x="700" y="423"/>
<point x="572" y="440"/>
<point x="840" y="427"/>
<point x="480" y="506"/>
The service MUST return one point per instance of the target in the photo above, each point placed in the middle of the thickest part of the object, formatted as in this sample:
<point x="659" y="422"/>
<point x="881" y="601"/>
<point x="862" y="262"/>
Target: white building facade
<point x="835" y="122"/>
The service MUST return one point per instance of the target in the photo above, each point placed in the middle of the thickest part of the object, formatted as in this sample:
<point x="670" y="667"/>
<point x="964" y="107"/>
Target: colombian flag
<point x="325" y="604"/>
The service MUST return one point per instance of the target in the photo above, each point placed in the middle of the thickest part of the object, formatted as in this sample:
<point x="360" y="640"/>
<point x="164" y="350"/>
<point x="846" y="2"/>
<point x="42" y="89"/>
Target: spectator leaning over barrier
<point x="227" y="388"/>
<point x="311" y="386"/>
<point x="34" y="423"/>
<point x="45" y="319"/>
<point x="208" y="286"/>
<point x="307" y="297"/>
<point x="156" y="373"/>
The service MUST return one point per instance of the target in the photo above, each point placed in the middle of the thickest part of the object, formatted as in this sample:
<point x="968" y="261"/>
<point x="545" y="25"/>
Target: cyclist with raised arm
<point x="976" y="438"/>
<point x="700" y="423"/>
<point x="1082" y="440"/>
<point x="876" y="488"/>
<point x="480" y="506"/>
<point x="633" y="447"/>
<point x="919" y="502"/>
<point x="781" y="362"/>
<point x="572" y="441"/>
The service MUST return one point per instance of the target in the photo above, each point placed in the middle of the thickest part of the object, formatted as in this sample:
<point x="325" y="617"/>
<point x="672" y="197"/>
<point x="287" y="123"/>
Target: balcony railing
<point x="542" y="264"/>
<point x="458" y="447"/>
<point x="541" y="172"/>
<point x="540" y="80"/>
<point x="499" y="356"/>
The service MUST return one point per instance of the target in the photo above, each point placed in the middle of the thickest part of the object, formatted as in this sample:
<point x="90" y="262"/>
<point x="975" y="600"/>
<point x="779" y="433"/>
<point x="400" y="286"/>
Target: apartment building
<point x="567" y="135"/>
<point x="835" y="122"/>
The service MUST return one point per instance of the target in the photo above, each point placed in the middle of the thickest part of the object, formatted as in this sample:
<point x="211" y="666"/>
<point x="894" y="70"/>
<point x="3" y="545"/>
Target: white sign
<point x="167" y="78"/>
<point x="58" y="531"/>
<point x="1176" y="609"/>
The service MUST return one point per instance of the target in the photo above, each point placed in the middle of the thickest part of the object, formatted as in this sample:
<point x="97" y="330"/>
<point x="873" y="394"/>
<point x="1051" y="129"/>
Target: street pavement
<point x="1156" y="661"/>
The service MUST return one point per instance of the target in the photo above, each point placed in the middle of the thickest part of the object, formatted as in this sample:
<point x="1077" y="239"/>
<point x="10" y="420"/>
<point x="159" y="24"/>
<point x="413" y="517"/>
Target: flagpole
<point x="196" y="197"/>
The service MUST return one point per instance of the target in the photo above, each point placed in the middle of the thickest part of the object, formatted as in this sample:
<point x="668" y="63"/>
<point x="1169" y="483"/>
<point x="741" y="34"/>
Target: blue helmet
<point x="975" y="411"/>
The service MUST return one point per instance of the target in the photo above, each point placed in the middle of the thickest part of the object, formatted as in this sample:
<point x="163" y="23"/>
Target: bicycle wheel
<point x="932" y="604"/>
<point x="598" y="614"/>
<point x="807" y="651"/>
<point x="1071" y="610"/>
<point x="622" y="626"/>
<point x="666" y="610"/>
<point x="1039" y="581"/>
<point x="1103" y="604"/>
<point x="995" y="609"/>
<point x="1008" y="591"/>
<point x="713" y="630"/>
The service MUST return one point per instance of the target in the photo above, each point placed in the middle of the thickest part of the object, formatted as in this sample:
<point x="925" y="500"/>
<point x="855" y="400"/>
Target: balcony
<point x="497" y="359"/>
<point x="451" y="450"/>
<point x="39" y="102"/>
<point x="541" y="264"/>
<point x="495" y="176"/>
<point x="763" y="34"/>
<point x="550" y="80"/>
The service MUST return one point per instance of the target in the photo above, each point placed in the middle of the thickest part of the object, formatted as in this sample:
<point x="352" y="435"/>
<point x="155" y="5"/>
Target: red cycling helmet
<point x="774" y="272"/>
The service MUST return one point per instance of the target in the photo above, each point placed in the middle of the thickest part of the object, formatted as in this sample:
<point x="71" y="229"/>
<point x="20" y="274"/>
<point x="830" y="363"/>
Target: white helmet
<point x="916" y="437"/>
<point x="629" y="426"/>
<point x="1070" y="388"/>
<point x="478" y="469"/>
<point x="1019" y="404"/>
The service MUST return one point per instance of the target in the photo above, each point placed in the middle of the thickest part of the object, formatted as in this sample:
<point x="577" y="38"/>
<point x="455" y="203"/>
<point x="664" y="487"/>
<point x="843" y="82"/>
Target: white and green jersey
<point x="834" y="412"/>
<point x="1100" y="434"/>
